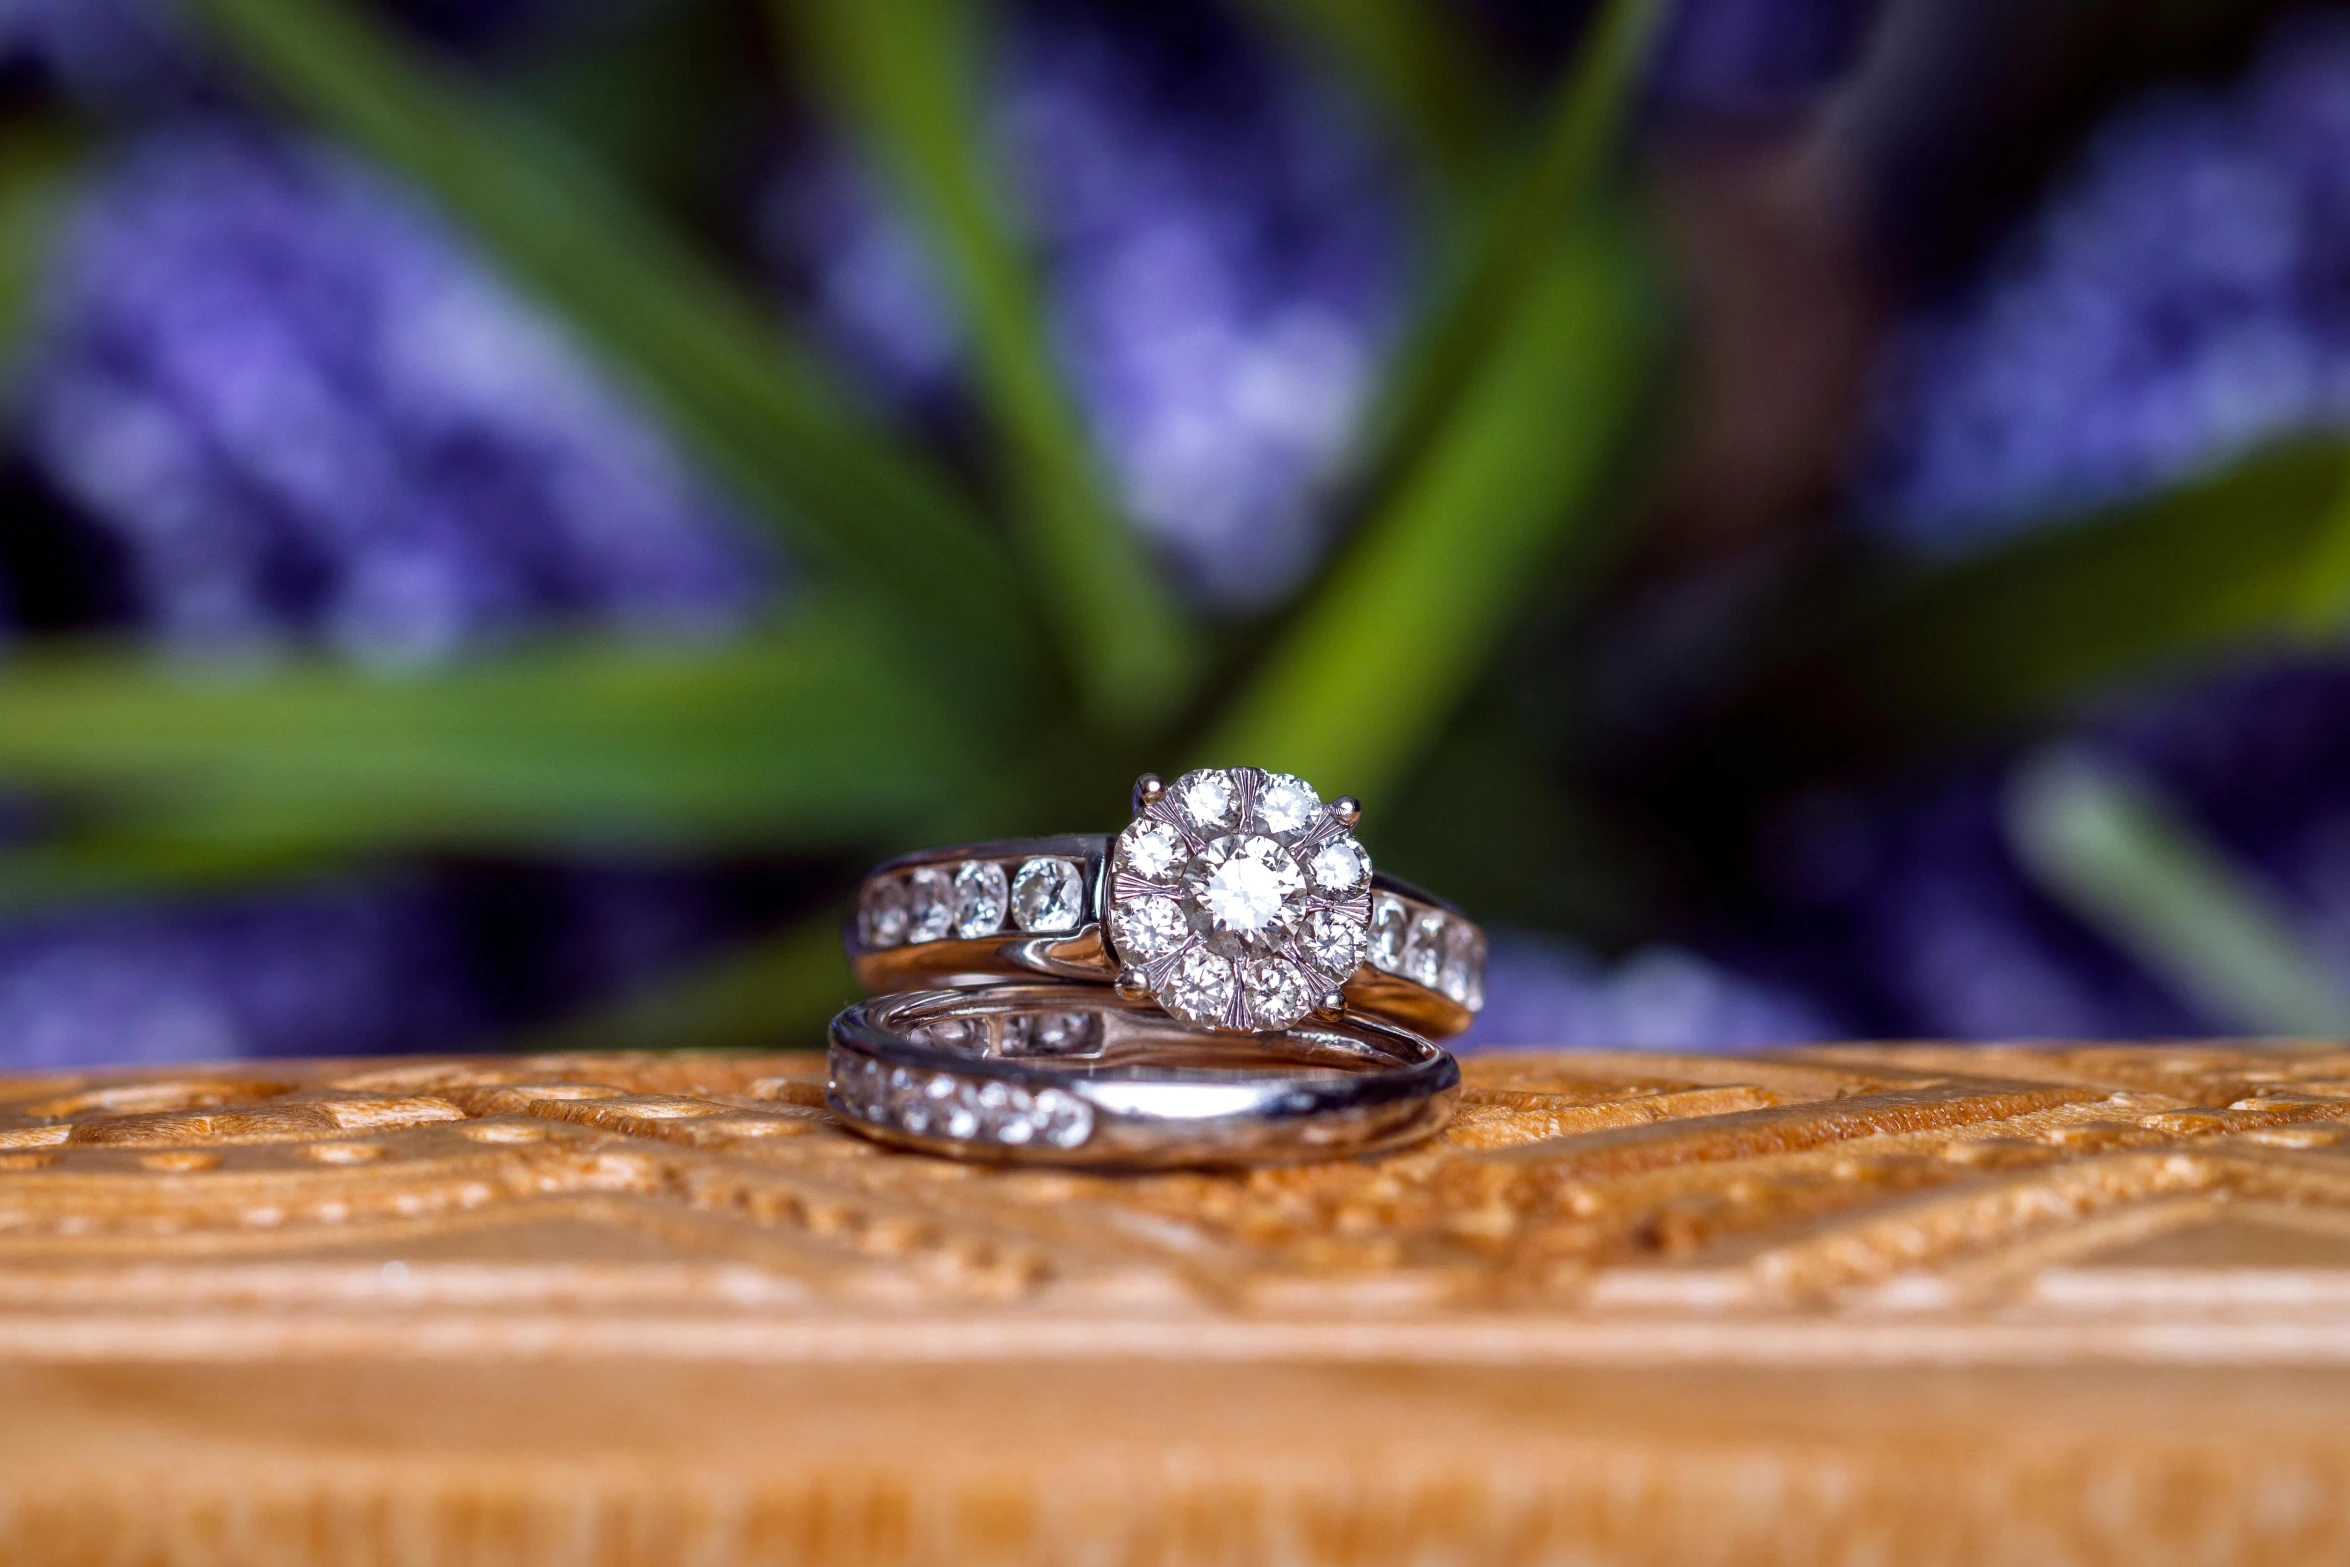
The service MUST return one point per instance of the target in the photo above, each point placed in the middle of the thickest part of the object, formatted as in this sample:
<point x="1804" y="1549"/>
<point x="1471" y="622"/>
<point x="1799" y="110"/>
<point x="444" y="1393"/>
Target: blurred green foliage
<point x="973" y="629"/>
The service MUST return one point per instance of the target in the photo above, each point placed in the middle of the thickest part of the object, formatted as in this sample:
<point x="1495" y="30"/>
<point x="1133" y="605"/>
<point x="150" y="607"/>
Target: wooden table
<point x="1844" y="1305"/>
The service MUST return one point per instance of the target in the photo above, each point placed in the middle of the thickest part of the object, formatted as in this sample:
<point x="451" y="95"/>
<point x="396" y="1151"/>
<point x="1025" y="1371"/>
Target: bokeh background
<point x="1810" y="517"/>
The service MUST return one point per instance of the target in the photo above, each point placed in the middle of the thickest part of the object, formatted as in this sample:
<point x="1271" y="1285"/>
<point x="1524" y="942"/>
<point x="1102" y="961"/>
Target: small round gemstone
<point x="1048" y="895"/>
<point x="1200" y="989"/>
<point x="981" y="895"/>
<point x="1463" y="976"/>
<point x="1286" y="804"/>
<point x="1335" y="941"/>
<point x="1341" y="866"/>
<point x="1390" y="926"/>
<point x="930" y="904"/>
<point x="1209" y="797"/>
<point x="881" y="914"/>
<point x="1150" y="928"/>
<point x="1276" y="993"/>
<point x="1065" y="1120"/>
<point x="1249" y="889"/>
<point x="1423" y="950"/>
<point x="1151" y="850"/>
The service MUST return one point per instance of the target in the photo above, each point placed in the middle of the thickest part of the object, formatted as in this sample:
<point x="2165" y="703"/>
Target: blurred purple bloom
<point x="2183" y="297"/>
<point x="1539" y="993"/>
<point x="351" y="971"/>
<point x="1750" y="58"/>
<point x="1225" y="257"/>
<point x="301" y="406"/>
<point x="1909" y="914"/>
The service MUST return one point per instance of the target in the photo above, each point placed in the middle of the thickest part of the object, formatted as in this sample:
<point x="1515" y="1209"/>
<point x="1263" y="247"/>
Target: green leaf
<point x="907" y="74"/>
<point x="2107" y="844"/>
<point x="1375" y="663"/>
<point x="814" y="735"/>
<point x="104" y="867"/>
<point x="1512" y="247"/>
<point x="779" y="990"/>
<point x="2020" y="633"/>
<point x="764" y="412"/>
<point x="37" y="159"/>
<point x="1420" y="60"/>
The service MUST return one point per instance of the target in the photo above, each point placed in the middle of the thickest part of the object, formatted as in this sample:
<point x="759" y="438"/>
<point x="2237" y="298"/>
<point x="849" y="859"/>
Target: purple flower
<point x="2183" y="297"/>
<point x="301" y="407"/>
<point x="1539" y="993"/>
<point x="340" y="971"/>
<point x="1224" y="254"/>
<point x="1750" y="58"/>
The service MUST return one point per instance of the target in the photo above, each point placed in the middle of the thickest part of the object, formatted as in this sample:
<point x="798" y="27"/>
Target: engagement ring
<point x="1236" y="900"/>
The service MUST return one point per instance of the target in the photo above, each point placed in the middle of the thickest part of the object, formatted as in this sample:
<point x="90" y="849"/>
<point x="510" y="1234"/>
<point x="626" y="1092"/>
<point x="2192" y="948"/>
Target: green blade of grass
<point x="103" y="867"/>
<point x="764" y="413"/>
<point x="813" y="735"/>
<point x="1375" y="662"/>
<point x="2016" y="635"/>
<point x="906" y="73"/>
<point x="1420" y="60"/>
<point x="1510" y="247"/>
<point x="2106" y="844"/>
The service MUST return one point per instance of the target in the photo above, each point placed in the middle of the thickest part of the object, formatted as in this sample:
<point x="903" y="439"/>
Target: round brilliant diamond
<point x="1390" y="924"/>
<point x="1209" y="797"/>
<point x="1342" y="866"/>
<point x="1048" y="895"/>
<point x="1276" y="993"/>
<point x="1200" y="989"/>
<point x="1336" y="942"/>
<point x="1151" y="850"/>
<point x="930" y="904"/>
<point x="1149" y="929"/>
<point x="981" y="895"/>
<point x="881" y="916"/>
<point x="1423" y="951"/>
<point x="1249" y="891"/>
<point x="1286" y="804"/>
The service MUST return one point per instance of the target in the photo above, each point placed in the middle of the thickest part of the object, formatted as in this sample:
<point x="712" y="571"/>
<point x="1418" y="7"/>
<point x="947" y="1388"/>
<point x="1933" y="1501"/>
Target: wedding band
<point x="1236" y="900"/>
<point x="1051" y="1074"/>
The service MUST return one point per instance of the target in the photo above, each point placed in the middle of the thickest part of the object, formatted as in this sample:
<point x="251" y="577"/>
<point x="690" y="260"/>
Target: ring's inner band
<point x="1109" y="1037"/>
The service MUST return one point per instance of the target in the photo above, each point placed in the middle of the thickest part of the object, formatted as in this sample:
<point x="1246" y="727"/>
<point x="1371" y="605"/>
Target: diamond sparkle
<point x="930" y="904"/>
<point x="1244" y="899"/>
<point x="981" y="895"/>
<point x="1048" y="895"/>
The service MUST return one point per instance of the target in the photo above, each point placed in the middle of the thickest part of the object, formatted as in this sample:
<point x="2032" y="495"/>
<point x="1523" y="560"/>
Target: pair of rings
<point x="1226" y="981"/>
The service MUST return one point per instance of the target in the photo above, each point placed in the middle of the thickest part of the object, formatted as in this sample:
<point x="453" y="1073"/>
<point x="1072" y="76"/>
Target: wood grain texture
<point x="1857" y="1304"/>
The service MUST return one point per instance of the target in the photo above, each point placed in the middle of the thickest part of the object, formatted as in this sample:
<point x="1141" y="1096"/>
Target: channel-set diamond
<point x="981" y="894"/>
<point x="1048" y="895"/>
<point x="1240" y="898"/>
<point x="966" y="1109"/>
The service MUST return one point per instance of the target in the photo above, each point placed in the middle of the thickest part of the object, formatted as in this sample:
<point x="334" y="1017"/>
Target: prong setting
<point x="1348" y="810"/>
<point x="1237" y="898"/>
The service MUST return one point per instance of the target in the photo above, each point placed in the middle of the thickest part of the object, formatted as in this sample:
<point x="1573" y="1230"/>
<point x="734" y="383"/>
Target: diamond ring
<point x="1237" y="900"/>
<point x="1054" y="1074"/>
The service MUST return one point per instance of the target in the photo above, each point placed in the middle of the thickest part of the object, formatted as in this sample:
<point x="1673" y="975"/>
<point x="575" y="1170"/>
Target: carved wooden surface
<point x="1851" y="1304"/>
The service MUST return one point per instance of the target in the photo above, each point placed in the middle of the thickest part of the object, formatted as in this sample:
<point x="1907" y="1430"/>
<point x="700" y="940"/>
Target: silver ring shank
<point x="1043" y="1074"/>
<point x="1426" y="968"/>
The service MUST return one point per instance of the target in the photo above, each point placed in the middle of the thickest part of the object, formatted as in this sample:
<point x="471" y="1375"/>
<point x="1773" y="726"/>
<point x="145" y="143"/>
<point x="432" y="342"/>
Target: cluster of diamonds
<point x="1429" y="947"/>
<point x="966" y="1109"/>
<point x="1045" y="895"/>
<point x="1240" y="898"/>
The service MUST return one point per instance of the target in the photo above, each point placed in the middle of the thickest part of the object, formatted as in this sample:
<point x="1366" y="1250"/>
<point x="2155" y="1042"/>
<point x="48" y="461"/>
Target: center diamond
<point x="1250" y="890"/>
